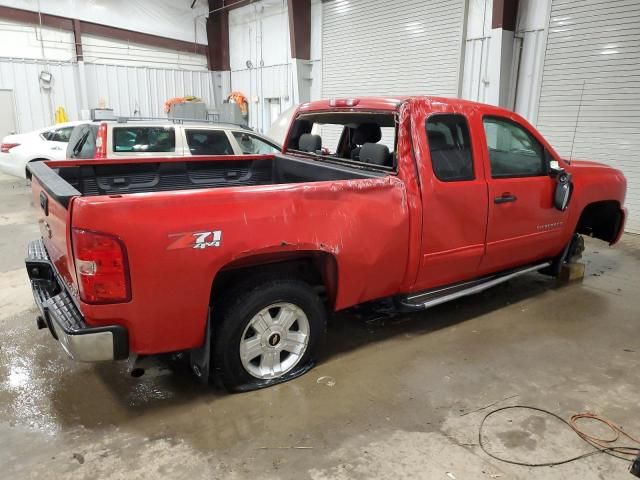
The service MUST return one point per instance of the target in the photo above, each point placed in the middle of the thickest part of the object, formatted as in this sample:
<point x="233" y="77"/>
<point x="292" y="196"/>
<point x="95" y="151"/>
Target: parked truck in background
<point x="238" y="261"/>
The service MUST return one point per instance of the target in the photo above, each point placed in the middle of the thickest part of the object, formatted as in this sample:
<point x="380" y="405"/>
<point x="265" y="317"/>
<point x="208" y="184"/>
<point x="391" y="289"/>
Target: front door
<point x="523" y="225"/>
<point x="454" y="199"/>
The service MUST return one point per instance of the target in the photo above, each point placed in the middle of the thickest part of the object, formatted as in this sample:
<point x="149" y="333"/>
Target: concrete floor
<point x="398" y="398"/>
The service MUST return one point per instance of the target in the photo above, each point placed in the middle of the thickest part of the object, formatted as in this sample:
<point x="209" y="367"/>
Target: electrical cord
<point x="601" y="445"/>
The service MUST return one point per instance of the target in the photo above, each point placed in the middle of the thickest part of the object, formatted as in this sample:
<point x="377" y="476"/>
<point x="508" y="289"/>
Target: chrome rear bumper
<point x="61" y="315"/>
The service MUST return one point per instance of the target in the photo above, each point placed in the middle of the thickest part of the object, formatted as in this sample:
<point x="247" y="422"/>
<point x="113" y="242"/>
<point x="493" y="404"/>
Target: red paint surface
<point x="401" y="233"/>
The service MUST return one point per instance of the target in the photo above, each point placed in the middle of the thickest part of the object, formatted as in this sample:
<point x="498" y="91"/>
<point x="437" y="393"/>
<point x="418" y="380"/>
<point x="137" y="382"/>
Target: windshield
<point x="359" y="138"/>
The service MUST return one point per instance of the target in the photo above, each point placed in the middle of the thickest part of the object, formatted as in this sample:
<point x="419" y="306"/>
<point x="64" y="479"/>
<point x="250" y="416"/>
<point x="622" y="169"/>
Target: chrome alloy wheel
<point x="274" y="341"/>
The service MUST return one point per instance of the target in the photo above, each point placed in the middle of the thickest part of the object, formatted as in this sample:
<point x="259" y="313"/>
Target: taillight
<point x="101" y="267"/>
<point x="5" y="147"/>
<point x="101" y="141"/>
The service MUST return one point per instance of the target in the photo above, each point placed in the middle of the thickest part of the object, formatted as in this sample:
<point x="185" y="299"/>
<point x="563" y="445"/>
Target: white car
<point x="48" y="143"/>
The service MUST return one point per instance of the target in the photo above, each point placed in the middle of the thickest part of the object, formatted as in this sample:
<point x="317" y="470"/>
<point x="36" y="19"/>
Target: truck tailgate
<point x="52" y="198"/>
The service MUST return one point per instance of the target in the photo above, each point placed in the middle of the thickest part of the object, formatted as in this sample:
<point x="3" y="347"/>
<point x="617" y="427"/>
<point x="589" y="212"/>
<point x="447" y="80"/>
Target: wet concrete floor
<point x="391" y="398"/>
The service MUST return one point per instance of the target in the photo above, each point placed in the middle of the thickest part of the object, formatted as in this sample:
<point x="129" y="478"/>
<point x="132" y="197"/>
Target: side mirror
<point x="555" y="168"/>
<point x="563" y="189"/>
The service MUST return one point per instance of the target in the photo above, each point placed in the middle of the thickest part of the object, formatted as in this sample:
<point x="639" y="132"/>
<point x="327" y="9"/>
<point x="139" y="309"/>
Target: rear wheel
<point x="269" y="332"/>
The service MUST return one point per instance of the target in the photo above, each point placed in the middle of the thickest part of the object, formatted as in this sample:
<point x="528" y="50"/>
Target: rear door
<point x="207" y="141"/>
<point x="523" y="225"/>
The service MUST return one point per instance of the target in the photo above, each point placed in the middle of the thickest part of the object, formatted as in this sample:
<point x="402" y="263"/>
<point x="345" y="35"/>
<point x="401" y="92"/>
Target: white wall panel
<point x="142" y="91"/>
<point x="103" y="50"/>
<point x="35" y="106"/>
<point x="129" y="91"/>
<point x="260" y="59"/>
<point x="391" y="48"/>
<point x="21" y="40"/>
<point x="595" y="46"/>
<point x="25" y="41"/>
<point x="167" y="18"/>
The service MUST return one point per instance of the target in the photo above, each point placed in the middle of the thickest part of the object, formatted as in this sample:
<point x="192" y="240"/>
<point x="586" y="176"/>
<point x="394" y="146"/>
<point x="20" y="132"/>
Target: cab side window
<point x="513" y="151"/>
<point x="450" y="147"/>
<point x="61" y="135"/>
<point x="250" y="144"/>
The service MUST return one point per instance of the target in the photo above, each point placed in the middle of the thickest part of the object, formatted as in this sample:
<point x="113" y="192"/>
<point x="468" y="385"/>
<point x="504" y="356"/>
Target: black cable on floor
<point x="619" y="452"/>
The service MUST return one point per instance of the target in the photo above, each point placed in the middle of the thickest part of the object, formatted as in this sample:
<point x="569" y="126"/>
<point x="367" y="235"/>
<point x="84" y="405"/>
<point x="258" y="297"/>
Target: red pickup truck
<point x="237" y="261"/>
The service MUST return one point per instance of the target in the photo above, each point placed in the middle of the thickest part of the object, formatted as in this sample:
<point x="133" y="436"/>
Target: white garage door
<point x="595" y="44"/>
<point x="379" y="47"/>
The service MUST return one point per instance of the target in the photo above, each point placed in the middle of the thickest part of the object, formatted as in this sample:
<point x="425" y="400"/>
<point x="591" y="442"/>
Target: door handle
<point x="504" y="198"/>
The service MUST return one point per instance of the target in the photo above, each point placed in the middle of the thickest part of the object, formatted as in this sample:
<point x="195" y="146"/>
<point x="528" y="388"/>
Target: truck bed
<point x="353" y="222"/>
<point x="95" y="178"/>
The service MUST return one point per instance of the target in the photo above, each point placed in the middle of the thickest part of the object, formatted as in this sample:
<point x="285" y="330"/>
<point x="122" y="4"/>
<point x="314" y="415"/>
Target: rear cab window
<point x="363" y="139"/>
<point x="450" y="147"/>
<point x="136" y="139"/>
<point x="208" y="142"/>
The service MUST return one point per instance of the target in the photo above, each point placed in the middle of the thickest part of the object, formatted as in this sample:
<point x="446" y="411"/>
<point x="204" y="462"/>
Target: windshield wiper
<point x="80" y="144"/>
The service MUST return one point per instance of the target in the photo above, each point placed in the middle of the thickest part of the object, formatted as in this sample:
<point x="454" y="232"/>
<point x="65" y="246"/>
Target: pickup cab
<point x="236" y="262"/>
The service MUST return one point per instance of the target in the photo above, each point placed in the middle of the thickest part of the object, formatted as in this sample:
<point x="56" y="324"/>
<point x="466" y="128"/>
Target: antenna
<point x="573" y="140"/>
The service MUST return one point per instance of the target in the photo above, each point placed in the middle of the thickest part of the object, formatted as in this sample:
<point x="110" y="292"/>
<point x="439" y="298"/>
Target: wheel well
<point x="27" y="173"/>
<point x="318" y="269"/>
<point x="601" y="220"/>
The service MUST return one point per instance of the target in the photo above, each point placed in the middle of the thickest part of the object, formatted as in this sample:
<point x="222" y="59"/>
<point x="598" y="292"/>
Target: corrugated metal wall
<point x="36" y="106"/>
<point x="595" y="45"/>
<point x="142" y="91"/>
<point x="261" y="65"/>
<point x="128" y="90"/>
<point x="377" y="47"/>
<point x="476" y="59"/>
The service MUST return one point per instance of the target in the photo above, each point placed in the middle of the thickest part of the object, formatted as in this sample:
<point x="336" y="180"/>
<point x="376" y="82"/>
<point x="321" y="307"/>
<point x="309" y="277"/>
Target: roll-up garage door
<point x="593" y="51"/>
<point x="380" y="47"/>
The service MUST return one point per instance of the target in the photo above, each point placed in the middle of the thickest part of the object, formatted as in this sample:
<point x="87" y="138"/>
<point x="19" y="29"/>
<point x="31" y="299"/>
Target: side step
<point x="431" y="298"/>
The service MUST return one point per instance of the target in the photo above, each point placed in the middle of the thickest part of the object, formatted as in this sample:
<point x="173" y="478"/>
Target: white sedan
<point x="45" y="144"/>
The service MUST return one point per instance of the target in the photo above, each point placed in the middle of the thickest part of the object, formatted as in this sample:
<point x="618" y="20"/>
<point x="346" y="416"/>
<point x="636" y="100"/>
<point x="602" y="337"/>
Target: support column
<point x="300" y="38"/>
<point x="218" y="36"/>
<point x="82" y="77"/>
<point x="218" y="50"/>
<point x="501" y="56"/>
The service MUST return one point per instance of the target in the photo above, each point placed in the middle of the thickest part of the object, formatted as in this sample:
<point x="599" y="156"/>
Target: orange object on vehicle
<point x="241" y="100"/>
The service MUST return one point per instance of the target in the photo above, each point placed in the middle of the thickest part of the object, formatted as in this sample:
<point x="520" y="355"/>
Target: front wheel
<point x="269" y="332"/>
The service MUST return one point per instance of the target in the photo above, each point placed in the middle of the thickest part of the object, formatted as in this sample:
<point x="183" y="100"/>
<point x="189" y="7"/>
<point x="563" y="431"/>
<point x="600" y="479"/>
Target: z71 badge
<point x="208" y="239"/>
<point x="199" y="240"/>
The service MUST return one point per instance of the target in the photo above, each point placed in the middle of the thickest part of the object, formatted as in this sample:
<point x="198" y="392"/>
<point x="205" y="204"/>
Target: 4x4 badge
<point x="208" y="239"/>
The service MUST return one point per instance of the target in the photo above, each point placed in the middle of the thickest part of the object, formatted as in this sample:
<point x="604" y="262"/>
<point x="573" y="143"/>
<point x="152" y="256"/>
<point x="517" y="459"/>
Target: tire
<point x="269" y="332"/>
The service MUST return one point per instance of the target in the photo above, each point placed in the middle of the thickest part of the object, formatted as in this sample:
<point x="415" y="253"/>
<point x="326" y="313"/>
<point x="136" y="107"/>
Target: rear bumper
<point x="63" y="318"/>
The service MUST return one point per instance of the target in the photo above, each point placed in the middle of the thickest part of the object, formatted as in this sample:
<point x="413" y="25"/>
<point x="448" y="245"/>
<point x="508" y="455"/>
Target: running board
<point x="431" y="298"/>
